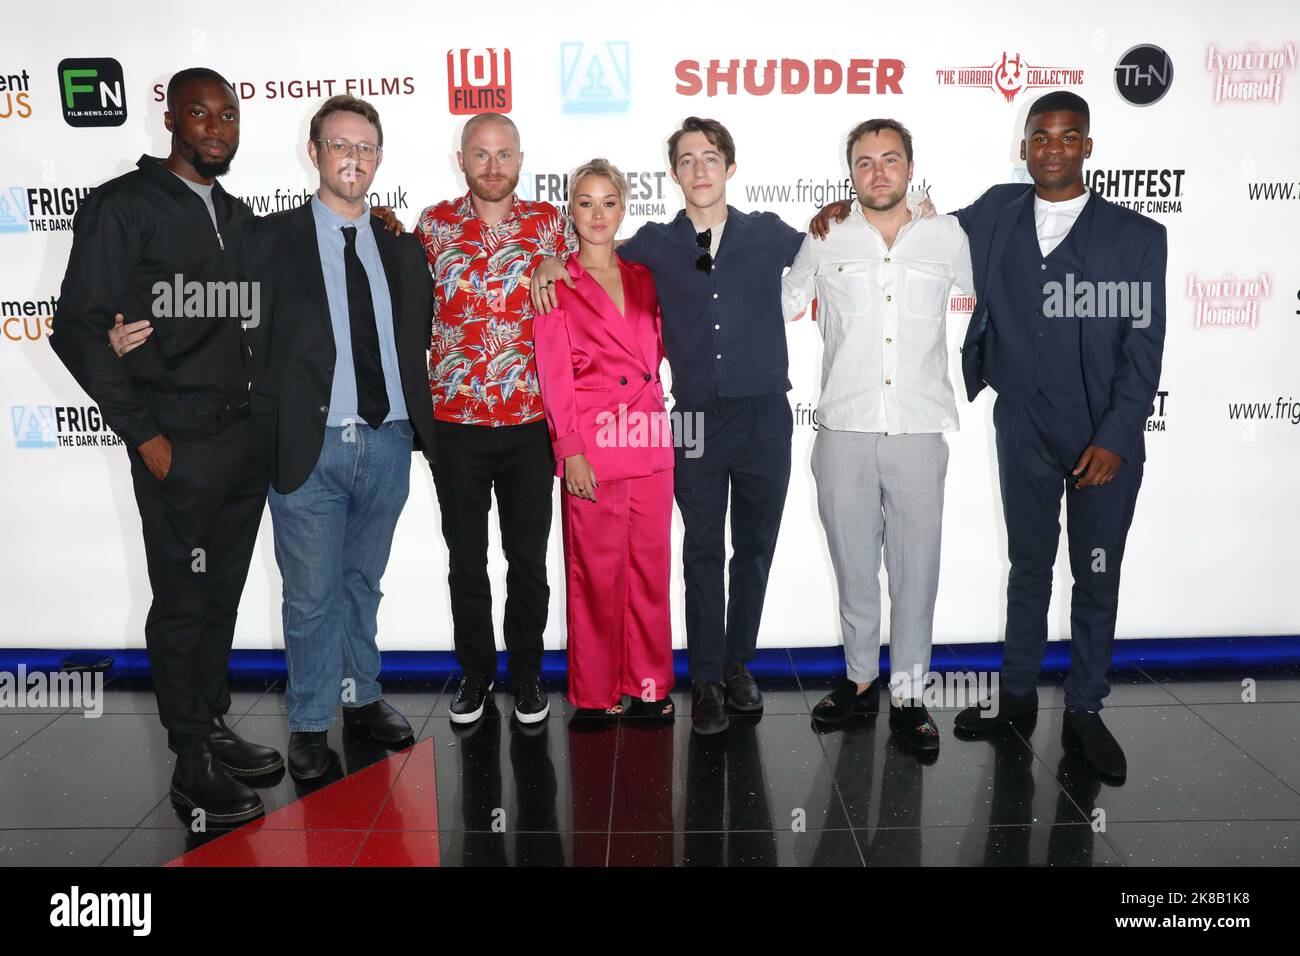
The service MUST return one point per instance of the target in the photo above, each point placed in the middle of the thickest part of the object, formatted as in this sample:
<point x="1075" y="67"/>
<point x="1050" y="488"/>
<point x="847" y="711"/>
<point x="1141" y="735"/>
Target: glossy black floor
<point x="1212" y="781"/>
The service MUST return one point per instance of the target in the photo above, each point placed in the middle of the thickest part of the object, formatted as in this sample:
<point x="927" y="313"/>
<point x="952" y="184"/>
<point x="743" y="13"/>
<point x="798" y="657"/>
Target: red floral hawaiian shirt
<point x="481" y="365"/>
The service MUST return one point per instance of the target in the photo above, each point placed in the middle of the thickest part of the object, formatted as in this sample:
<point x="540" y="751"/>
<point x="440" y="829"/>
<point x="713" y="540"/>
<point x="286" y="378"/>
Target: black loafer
<point x="383" y="721"/>
<point x="844" y="701"/>
<point x="238" y="756"/>
<point x="914" y="727"/>
<point x="742" y="692"/>
<point x="201" y="784"/>
<point x="983" y="719"/>
<point x="708" y="709"/>
<point x="1084" y="730"/>
<point x="309" y="754"/>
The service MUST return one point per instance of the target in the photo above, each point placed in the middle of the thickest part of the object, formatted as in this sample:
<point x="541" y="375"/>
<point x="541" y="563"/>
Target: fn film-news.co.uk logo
<point x="92" y="92"/>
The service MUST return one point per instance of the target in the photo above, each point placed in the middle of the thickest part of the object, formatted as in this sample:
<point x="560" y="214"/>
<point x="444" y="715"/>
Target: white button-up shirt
<point x="1054" y="220"/>
<point x="882" y="314"/>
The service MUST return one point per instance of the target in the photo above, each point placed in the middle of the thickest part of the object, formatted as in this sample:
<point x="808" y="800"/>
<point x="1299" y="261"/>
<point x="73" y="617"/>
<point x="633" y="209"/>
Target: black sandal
<point x="844" y="701"/>
<point x="662" y="709"/>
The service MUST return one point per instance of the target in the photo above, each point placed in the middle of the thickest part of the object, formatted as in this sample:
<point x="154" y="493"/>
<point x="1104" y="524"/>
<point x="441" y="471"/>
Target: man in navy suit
<point x="1069" y="331"/>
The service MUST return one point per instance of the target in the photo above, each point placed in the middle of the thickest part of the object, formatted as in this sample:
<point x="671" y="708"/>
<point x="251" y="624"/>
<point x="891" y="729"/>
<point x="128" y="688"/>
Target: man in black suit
<point x="340" y="390"/>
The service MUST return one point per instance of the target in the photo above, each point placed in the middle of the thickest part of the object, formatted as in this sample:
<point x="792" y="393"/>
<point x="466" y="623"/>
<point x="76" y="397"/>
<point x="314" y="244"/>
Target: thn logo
<point x="1144" y="74"/>
<point x="92" y="92"/>
<point x="75" y="908"/>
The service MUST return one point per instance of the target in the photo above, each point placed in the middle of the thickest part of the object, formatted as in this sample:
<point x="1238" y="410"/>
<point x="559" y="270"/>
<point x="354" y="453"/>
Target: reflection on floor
<point x="1213" y="780"/>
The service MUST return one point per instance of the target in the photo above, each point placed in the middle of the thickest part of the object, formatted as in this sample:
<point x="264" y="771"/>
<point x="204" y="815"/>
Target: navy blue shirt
<point x="723" y="332"/>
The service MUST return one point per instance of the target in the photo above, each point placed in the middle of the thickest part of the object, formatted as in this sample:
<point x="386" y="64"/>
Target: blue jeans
<point x="332" y="539"/>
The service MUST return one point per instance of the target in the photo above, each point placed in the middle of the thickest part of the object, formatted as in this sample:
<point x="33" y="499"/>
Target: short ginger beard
<point x="478" y="189"/>
<point x="205" y="168"/>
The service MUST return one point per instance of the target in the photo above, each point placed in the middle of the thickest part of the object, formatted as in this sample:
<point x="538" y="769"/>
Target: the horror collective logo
<point x="1009" y="76"/>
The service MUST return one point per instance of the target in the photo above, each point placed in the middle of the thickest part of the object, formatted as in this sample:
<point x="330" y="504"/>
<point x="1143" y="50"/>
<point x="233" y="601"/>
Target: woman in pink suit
<point x="598" y="357"/>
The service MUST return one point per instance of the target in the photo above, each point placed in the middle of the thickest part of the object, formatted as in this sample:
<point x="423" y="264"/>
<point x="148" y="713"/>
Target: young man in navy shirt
<point x="717" y="272"/>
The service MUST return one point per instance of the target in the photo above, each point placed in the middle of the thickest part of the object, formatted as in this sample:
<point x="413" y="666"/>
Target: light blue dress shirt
<point x="329" y="240"/>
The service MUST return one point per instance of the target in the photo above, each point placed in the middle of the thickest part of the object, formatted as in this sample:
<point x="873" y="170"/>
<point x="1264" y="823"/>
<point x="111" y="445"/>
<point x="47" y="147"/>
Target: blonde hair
<point x="600" y="167"/>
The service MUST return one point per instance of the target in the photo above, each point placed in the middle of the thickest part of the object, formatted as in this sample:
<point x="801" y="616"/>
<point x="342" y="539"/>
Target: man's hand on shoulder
<point x="838" y="211"/>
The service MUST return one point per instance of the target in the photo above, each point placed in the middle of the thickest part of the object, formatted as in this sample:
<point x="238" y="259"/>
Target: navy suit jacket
<point x="1121" y="362"/>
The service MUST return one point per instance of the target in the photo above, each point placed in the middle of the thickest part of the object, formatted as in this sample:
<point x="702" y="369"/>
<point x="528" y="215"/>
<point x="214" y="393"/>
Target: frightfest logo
<point x="1009" y="76"/>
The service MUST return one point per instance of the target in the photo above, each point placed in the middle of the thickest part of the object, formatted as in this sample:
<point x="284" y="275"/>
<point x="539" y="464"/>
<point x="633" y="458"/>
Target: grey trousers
<point x="877" y="490"/>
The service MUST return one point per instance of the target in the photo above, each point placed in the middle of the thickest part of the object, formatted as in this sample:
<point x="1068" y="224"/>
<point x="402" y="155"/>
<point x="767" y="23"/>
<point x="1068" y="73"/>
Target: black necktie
<point x="372" y="395"/>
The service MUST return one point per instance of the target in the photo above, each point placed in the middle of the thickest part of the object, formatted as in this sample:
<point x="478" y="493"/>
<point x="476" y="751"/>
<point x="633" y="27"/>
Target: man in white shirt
<point x="881" y="281"/>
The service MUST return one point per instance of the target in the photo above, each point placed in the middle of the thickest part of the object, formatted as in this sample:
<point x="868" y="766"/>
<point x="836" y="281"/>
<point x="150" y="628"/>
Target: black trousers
<point x="200" y="525"/>
<point x="745" y="456"/>
<point x="469" y="461"/>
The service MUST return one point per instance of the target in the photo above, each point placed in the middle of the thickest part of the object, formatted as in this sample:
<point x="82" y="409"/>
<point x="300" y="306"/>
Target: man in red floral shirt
<point x="491" y="432"/>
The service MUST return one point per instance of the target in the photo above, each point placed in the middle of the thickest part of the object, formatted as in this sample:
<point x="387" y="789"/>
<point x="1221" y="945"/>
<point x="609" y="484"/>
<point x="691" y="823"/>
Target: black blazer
<point x="1121" y="359"/>
<point x="293" y="341"/>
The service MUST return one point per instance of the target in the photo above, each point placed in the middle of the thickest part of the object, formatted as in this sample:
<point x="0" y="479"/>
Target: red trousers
<point x="617" y="564"/>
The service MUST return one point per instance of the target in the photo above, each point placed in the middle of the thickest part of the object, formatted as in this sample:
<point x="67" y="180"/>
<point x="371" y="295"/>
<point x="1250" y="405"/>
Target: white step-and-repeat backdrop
<point x="1195" y="122"/>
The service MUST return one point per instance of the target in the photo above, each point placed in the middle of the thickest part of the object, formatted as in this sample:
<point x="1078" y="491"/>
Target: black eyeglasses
<point x="705" y="241"/>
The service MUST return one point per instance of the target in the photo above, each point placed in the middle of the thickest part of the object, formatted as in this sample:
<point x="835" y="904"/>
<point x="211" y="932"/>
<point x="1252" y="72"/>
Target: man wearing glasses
<point x="717" y="271"/>
<point x="341" y="396"/>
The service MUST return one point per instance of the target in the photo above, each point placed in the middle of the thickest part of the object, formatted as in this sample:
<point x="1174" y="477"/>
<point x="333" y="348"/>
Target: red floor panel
<point x="396" y="797"/>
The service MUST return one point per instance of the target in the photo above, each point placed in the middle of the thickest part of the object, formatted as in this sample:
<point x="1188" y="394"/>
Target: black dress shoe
<point x="742" y="692"/>
<point x="383" y="721"/>
<point x="844" y="701"/>
<point x="201" y="783"/>
<point x="238" y="756"/>
<point x="471" y="697"/>
<point x="708" y="708"/>
<point x="1083" y="729"/>
<point x="309" y="754"/>
<point x="983" y="719"/>
<point x="915" y="727"/>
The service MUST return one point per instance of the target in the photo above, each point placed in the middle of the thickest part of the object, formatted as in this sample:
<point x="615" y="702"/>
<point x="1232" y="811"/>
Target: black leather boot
<point x="200" y="782"/>
<point x="238" y="756"/>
